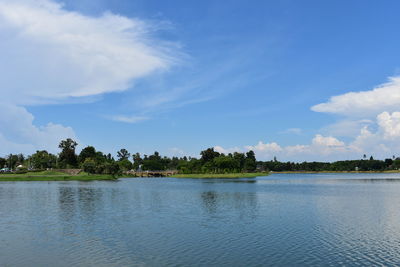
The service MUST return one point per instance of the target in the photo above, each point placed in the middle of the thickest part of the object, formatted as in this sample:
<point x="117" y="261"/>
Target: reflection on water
<point x="280" y="220"/>
<point x="241" y="204"/>
<point x="209" y="201"/>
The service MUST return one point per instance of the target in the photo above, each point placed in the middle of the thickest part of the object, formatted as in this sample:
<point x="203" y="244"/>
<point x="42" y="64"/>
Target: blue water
<point x="279" y="220"/>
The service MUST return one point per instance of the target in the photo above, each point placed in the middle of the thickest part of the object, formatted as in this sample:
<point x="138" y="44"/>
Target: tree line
<point x="97" y="162"/>
<point x="364" y="164"/>
<point x="210" y="161"/>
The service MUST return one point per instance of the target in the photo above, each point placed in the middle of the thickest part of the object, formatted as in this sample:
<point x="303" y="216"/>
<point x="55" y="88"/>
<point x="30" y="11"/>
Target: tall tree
<point x="21" y="158"/>
<point x="154" y="162"/>
<point x="240" y="158"/>
<point x="209" y="154"/>
<point x="123" y="154"/>
<point x="12" y="161"/>
<point x="250" y="161"/>
<point x="137" y="161"/>
<point x="3" y="162"/>
<point x="87" y="152"/>
<point x="68" y="157"/>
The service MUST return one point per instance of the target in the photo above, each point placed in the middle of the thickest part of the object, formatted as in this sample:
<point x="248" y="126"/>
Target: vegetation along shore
<point x="54" y="176"/>
<point x="91" y="164"/>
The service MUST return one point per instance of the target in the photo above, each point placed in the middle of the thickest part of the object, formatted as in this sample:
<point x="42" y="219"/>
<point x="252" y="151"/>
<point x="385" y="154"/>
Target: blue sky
<point x="181" y="76"/>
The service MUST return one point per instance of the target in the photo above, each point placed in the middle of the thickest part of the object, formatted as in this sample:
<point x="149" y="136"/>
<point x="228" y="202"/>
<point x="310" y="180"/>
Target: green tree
<point x="396" y="164"/>
<point x="137" y="161"/>
<point x="155" y="162"/>
<point x="240" y="158"/>
<point x="209" y="154"/>
<point x="111" y="168"/>
<point x="101" y="158"/>
<point x="89" y="165"/>
<point x="87" y="152"/>
<point x="21" y="158"/>
<point x="226" y="164"/>
<point x="125" y="165"/>
<point x="12" y="161"/>
<point x="250" y="161"/>
<point x="123" y="154"/>
<point x="3" y="162"/>
<point x="68" y="157"/>
<point x="42" y="160"/>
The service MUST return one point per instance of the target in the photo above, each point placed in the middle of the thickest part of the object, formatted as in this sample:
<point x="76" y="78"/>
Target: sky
<point x="295" y="80"/>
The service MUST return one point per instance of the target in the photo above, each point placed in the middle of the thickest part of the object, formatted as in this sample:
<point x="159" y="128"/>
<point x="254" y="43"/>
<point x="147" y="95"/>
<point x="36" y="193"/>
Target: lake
<point x="279" y="220"/>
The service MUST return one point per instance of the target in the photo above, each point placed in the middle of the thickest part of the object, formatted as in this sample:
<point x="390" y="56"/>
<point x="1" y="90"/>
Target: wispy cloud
<point x="197" y="80"/>
<point x="129" y="119"/>
<point x="296" y="131"/>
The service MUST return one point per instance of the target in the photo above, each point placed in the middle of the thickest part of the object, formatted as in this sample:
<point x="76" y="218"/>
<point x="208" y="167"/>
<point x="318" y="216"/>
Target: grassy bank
<point x="220" y="175"/>
<point x="53" y="176"/>
<point x="311" y="172"/>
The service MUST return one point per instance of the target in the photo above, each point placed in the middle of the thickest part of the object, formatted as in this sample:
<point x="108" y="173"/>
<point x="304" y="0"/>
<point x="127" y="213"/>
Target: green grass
<point x="41" y="173"/>
<point x="220" y="175"/>
<point x="53" y="176"/>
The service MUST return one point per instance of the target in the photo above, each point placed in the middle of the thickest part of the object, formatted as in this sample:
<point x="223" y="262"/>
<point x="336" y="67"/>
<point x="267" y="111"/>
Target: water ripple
<point x="294" y="221"/>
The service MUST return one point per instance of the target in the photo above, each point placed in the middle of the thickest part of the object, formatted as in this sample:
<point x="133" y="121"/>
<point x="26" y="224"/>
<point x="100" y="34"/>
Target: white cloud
<point x="371" y="126"/>
<point x="226" y="150"/>
<point x="267" y="148"/>
<point x="371" y="119"/>
<point x="18" y="134"/>
<point x="49" y="54"/>
<point x="381" y="143"/>
<point x="66" y="54"/>
<point x="321" y="146"/>
<point x="327" y="141"/>
<point x="296" y="149"/>
<point x="385" y="97"/>
<point x="346" y="127"/>
<point x="390" y="125"/>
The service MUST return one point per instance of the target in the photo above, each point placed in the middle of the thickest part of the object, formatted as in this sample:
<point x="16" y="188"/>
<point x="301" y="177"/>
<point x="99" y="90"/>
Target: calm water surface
<point x="280" y="220"/>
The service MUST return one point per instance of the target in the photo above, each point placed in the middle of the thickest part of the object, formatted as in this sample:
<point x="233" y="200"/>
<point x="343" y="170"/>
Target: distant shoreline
<point x="311" y="172"/>
<point x="53" y="176"/>
<point x="220" y="175"/>
<point x="62" y="176"/>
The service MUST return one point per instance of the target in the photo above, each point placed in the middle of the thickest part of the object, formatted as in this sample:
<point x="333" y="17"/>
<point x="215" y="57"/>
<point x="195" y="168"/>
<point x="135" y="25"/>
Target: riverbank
<point x="311" y="172"/>
<point x="220" y="175"/>
<point x="53" y="176"/>
<point x="62" y="176"/>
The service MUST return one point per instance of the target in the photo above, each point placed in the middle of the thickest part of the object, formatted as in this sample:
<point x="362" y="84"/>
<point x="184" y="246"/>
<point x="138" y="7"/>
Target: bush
<point x="89" y="166"/>
<point x="37" y="170"/>
<point x="111" y="168"/>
